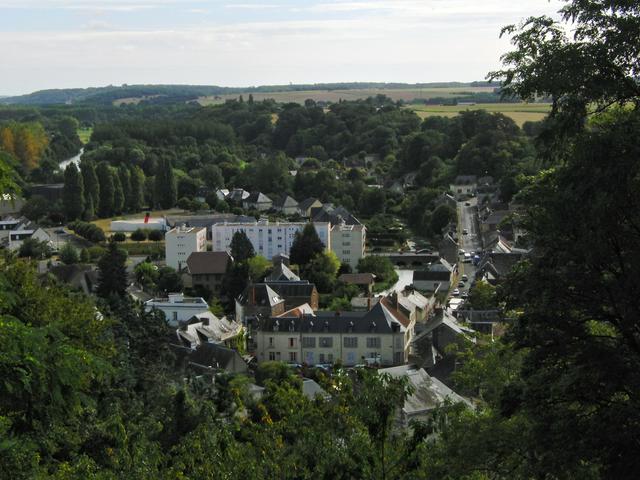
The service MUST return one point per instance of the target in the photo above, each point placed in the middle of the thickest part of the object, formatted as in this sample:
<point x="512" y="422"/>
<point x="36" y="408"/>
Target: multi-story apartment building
<point x="268" y="238"/>
<point x="325" y="337"/>
<point x="181" y="241"/>
<point x="348" y="242"/>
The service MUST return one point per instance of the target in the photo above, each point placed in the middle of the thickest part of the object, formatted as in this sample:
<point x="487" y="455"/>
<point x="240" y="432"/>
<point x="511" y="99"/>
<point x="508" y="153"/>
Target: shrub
<point x="119" y="237"/>
<point x="156" y="235"/>
<point x="87" y="230"/>
<point x="139" y="235"/>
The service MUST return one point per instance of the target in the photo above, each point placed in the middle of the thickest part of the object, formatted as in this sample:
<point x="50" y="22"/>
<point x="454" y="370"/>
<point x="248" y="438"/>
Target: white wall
<point x="268" y="238"/>
<point x="182" y="242"/>
<point x="348" y="242"/>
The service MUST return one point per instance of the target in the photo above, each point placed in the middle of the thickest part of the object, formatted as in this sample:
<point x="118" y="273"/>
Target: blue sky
<point x="80" y="43"/>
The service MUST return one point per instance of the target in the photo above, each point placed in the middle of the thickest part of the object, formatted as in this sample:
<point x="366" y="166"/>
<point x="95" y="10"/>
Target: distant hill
<point x="179" y="93"/>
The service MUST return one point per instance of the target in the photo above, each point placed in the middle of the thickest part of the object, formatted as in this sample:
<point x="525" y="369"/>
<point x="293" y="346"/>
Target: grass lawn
<point x="519" y="112"/>
<point x="85" y="134"/>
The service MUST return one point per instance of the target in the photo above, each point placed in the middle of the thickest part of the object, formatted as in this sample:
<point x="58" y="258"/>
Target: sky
<point x="82" y="43"/>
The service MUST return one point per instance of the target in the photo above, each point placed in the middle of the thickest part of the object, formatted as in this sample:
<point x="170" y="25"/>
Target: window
<point x="373" y="342"/>
<point x="271" y="341"/>
<point x="330" y="358"/>
<point x="308" y="342"/>
<point x="175" y="316"/>
<point x="322" y="358"/>
<point x="272" y="356"/>
<point x="326" y="342"/>
<point x="292" y="342"/>
<point x="350" y="342"/>
<point x="346" y="252"/>
<point x="293" y="356"/>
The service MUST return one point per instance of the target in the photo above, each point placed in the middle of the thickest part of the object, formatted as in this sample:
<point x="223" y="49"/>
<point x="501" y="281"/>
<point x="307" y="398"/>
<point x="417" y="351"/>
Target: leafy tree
<point x="258" y="266"/>
<point x="119" y="237"/>
<point x="156" y="235"/>
<point x="139" y="235"/>
<point x="241" y="247"/>
<point x="165" y="185"/>
<point x="85" y="257"/>
<point x="73" y="193"/>
<point x="306" y="245"/>
<point x="90" y="182"/>
<point x="482" y="296"/>
<point x="106" y="202"/>
<point x="112" y="272"/>
<point x="169" y="280"/>
<point x="69" y="254"/>
<point x="89" y="211"/>
<point x="36" y="208"/>
<point x="322" y="271"/>
<point x="235" y="279"/>
<point x="381" y="267"/>
<point x="440" y="218"/>
<point x="146" y="274"/>
<point x="124" y="175"/>
<point x="34" y="248"/>
<point x="136" y="196"/>
<point x="118" y="195"/>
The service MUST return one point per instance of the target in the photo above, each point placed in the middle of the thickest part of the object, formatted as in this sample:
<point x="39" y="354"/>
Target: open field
<point x="85" y="134"/>
<point x="519" y="112"/>
<point x="407" y="94"/>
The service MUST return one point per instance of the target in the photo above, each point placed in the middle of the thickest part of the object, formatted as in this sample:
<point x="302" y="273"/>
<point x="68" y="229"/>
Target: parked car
<point x="467" y="204"/>
<point x="465" y="278"/>
<point x="465" y="294"/>
<point x="455" y="292"/>
<point x="465" y="231"/>
<point x="461" y="284"/>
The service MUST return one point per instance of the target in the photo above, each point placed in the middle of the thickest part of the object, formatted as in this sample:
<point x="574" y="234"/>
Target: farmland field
<point x="406" y="94"/>
<point x="519" y="112"/>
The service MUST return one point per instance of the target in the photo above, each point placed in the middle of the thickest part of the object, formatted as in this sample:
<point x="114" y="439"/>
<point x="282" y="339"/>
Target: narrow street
<point x="469" y="242"/>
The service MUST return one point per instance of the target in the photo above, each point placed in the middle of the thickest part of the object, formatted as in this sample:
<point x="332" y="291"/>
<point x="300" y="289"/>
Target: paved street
<point x="469" y="242"/>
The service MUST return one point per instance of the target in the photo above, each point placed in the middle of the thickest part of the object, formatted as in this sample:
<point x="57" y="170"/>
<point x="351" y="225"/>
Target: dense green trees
<point x="112" y="272"/>
<point x="73" y="193"/>
<point x="106" y="201"/>
<point x="165" y="194"/>
<point x="241" y="247"/>
<point x="306" y="245"/>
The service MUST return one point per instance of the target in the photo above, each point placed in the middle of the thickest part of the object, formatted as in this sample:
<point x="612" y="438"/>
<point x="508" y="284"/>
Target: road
<point x="469" y="242"/>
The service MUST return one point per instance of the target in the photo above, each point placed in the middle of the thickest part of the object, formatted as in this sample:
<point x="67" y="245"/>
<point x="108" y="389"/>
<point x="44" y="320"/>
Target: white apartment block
<point x="177" y="308"/>
<point x="268" y="238"/>
<point x="348" y="243"/>
<point x="180" y="242"/>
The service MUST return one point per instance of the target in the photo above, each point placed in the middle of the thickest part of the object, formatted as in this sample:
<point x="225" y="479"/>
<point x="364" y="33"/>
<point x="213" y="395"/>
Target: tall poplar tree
<point x="73" y="193"/>
<point x="107" y="190"/>
<point x="136" y="197"/>
<point x="118" y="194"/>
<point x="165" y="185"/>
<point x="90" y="179"/>
<point x="125" y="181"/>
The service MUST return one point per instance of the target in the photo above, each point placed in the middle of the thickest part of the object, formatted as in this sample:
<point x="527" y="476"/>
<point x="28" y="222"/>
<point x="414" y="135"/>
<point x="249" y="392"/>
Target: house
<point x="268" y="238"/>
<point x="296" y="293"/>
<point x="464" y="186"/>
<point x="207" y="269"/>
<point x="309" y="206"/>
<point x="237" y="196"/>
<point x="495" y="265"/>
<point x="180" y="242"/>
<point x="210" y="357"/>
<point x="177" y="308"/>
<point x="448" y="249"/>
<point x="281" y="273"/>
<point x="78" y="277"/>
<point x="428" y="394"/>
<point x="483" y="321"/>
<point x="286" y="205"/>
<point x="17" y="237"/>
<point x="205" y="327"/>
<point x="348" y="242"/>
<point x="440" y="275"/>
<point x="257" y="201"/>
<point x="258" y="299"/>
<point x="375" y="336"/>
<point x="335" y="215"/>
<point x="363" y="280"/>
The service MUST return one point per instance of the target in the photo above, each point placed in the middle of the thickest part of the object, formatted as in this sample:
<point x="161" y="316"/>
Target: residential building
<point x="257" y="201"/>
<point x="78" y="277"/>
<point x="237" y="196"/>
<point x="207" y="269"/>
<point x="180" y="242"/>
<point x="363" y="280"/>
<point x="210" y="358"/>
<point x="309" y="206"/>
<point x="205" y="327"/>
<point x="353" y="338"/>
<point x="177" y="308"/>
<point x="464" y="186"/>
<point x="286" y="205"/>
<point x="428" y="393"/>
<point x="335" y="215"/>
<point x="258" y="299"/>
<point x="16" y="237"/>
<point x="268" y="238"/>
<point x="296" y="293"/>
<point x="448" y="249"/>
<point x="439" y="276"/>
<point x="348" y="242"/>
<point x="281" y="273"/>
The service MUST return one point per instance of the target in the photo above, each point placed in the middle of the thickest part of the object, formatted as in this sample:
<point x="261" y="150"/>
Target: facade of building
<point x="348" y="242"/>
<point x="181" y="242"/>
<point x="207" y="269"/>
<point x="16" y="237"/>
<point x="178" y="308"/>
<point x="268" y="238"/>
<point x="353" y="338"/>
<point x="464" y="186"/>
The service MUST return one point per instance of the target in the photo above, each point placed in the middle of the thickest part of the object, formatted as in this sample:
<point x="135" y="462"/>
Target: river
<point x="75" y="159"/>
